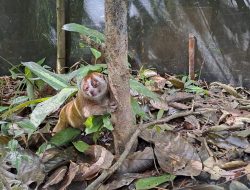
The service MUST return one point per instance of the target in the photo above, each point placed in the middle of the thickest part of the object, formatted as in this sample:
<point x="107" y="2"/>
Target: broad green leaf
<point x="21" y="106"/>
<point x="43" y="148"/>
<point x="93" y="124"/>
<point x="107" y="123"/>
<point x="29" y="83"/>
<point x="19" y="99"/>
<point x="41" y="61"/>
<point x="160" y="114"/>
<point x="49" y="106"/>
<point x="81" y="146"/>
<point x="83" y="71"/>
<point x="140" y="88"/>
<point x="65" y="136"/>
<point x="94" y="34"/>
<point x="27" y="126"/>
<point x="136" y="108"/>
<point x="152" y="182"/>
<point x="13" y="145"/>
<point x="3" y="108"/>
<point x="55" y="81"/>
<point x="96" y="53"/>
<point x="89" y="122"/>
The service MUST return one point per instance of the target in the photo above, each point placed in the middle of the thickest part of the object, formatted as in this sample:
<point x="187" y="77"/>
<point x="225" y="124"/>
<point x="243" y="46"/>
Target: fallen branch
<point x="106" y="173"/>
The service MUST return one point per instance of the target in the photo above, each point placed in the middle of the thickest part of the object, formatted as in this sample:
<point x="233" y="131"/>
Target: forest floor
<point x="206" y="148"/>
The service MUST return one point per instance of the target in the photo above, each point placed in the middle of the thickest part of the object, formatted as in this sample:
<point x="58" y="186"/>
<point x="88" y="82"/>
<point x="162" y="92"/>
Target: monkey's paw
<point x="112" y="106"/>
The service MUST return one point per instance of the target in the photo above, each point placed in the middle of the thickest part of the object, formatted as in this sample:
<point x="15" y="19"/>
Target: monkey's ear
<point x="82" y="84"/>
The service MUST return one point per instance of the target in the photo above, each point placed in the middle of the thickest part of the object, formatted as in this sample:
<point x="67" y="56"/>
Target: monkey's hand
<point x="112" y="106"/>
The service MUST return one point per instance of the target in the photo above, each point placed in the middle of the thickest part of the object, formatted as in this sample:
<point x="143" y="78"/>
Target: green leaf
<point x="65" y="136"/>
<point x="55" y="81"/>
<point x="27" y="126"/>
<point x="152" y="182"/>
<point x="19" y="99"/>
<point x="29" y="83"/>
<point x="93" y="124"/>
<point x="107" y="123"/>
<point x="3" y="108"/>
<point x="81" y="146"/>
<point x="160" y="114"/>
<point x="40" y="62"/>
<point x="43" y="148"/>
<point x="49" y="106"/>
<point x="96" y="53"/>
<point x="21" y="106"/>
<point x="136" y="108"/>
<point x="83" y="71"/>
<point x="94" y="34"/>
<point x="140" y="88"/>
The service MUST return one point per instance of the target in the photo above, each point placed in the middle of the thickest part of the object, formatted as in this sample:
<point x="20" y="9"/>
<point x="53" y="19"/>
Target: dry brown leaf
<point x="229" y="89"/>
<point x="149" y="73"/>
<point x="179" y="97"/>
<point x="179" y="106"/>
<point x="176" y="82"/>
<point x="138" y="161"/>
<point x="216" y="172"/>
<point x="124" y="180"/>
<point x="157" y="83"/>
<point x="73" y="169"/>
<point x="56" y="177"/>
<point x="193" y="121"/>
<point x="247" y="171"/>
<point x="161" y="105"/>
<point x="233" y="165"/>
<point x="174" y="154"/>
<point x="101" y="158"/>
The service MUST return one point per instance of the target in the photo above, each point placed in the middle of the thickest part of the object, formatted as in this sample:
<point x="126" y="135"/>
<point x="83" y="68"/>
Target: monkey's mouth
<point x="93" y="94"/>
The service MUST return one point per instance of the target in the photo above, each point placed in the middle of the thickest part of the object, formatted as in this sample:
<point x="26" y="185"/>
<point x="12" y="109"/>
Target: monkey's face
<point x="94" y="86"/>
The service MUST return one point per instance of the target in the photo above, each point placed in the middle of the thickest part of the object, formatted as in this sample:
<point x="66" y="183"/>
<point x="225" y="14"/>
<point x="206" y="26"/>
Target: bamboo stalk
<point x="61" y="51"/>
<point x="191" y="53"/>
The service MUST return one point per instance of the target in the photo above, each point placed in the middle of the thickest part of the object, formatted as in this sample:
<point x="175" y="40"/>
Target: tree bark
<point x="116" y="57"/>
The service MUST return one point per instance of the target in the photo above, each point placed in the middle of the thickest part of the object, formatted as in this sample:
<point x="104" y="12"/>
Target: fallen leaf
<point x="56" y="177"/>
<point x="73" y="169"/>
<point x="236" y="185"/>
<point x="174" y="154"/>
<point x="138" y="161"/>
<point x="101" y="158"/>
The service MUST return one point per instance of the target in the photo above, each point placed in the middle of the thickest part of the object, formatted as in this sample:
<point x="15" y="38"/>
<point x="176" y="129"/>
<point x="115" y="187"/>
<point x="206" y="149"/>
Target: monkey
<point x="93" y="98"/>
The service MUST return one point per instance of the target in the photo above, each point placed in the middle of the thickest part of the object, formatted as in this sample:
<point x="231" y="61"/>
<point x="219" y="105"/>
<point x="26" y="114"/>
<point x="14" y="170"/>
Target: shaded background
<point x="158" y="34"/>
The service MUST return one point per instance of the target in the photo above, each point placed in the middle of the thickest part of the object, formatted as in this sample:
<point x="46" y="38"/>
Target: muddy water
<point x="158" y="34"/>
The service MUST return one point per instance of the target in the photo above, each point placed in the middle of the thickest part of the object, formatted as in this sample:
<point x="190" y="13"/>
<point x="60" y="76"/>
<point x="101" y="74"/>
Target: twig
<point x="106" y="173"/>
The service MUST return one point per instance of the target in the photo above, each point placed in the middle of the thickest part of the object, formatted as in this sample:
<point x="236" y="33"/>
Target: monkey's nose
<point x="92" y="93"/>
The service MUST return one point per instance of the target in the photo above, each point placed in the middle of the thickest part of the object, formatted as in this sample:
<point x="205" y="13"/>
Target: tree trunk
<point x="116" y="57"/>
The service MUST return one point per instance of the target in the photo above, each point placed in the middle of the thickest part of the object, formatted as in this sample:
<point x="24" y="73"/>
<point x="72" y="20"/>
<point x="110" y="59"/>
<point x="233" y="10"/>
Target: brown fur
<point x="85" y="104"/>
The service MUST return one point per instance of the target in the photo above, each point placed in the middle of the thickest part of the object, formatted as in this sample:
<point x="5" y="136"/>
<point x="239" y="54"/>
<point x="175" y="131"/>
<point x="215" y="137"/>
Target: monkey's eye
<point x="86" y="88"/>
<point x="95" y="83"/>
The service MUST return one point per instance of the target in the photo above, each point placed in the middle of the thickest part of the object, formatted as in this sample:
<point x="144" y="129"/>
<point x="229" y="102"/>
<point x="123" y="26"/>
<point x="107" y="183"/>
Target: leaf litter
<point x="205" y="150"/>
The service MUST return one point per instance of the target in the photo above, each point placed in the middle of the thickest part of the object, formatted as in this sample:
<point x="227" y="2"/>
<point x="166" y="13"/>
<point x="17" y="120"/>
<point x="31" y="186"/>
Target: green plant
<point x="191" y="86"/>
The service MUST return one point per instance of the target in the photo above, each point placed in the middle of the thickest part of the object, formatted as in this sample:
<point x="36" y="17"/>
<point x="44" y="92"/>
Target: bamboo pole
<point x="61" y="51"/>
<point x="191" y="54"/>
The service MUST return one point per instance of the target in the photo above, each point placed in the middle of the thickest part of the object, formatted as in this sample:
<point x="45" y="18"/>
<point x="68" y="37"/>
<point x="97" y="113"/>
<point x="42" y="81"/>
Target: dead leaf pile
<point x="208" y="149"/>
